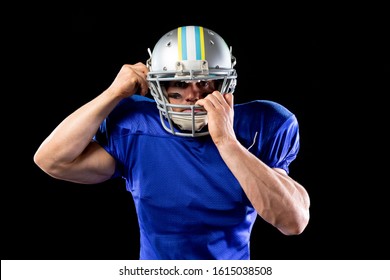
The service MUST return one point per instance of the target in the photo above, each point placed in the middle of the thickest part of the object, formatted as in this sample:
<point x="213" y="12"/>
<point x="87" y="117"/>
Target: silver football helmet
<point x="189" y="54"/>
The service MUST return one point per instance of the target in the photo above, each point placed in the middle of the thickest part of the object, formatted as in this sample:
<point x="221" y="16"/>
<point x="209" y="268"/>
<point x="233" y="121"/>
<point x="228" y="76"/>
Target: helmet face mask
<point x="189" y="54"/>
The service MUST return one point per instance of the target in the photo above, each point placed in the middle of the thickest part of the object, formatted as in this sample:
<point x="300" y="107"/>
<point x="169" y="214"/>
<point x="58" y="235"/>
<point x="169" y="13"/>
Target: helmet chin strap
<point x="185" y="122"/>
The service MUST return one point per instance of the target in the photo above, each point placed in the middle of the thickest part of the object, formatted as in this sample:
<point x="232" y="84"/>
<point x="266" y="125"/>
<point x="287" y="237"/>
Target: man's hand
<point x="220" y="114"/>
<point x="130" y="80"/>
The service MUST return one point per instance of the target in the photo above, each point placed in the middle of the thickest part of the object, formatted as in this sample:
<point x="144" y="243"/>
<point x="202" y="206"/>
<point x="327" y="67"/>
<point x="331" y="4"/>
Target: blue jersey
<point x="189" y="204"/>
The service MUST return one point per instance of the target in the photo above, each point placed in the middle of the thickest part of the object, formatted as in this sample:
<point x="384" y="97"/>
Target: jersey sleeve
<point x="132" y="116"/>
<point x="283" y="146"/>
<point x="102" y="137"/>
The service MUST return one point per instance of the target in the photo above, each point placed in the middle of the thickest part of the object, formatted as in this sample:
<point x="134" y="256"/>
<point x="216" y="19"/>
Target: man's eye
<point x="203" y="84"/>
<point x="174" y="95"/>
<point x="180" y="84"/>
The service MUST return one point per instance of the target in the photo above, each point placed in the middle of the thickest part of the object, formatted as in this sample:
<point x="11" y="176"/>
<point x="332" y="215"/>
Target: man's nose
<point x="193" y="93"/>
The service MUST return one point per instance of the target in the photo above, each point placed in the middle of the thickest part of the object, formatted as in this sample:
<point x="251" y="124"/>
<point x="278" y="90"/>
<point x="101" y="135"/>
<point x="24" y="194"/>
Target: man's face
<point x="187" y="93"/>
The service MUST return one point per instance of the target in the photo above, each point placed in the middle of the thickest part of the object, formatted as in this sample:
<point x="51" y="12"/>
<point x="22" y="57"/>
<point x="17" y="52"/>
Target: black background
<point x="328" y="65"/>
